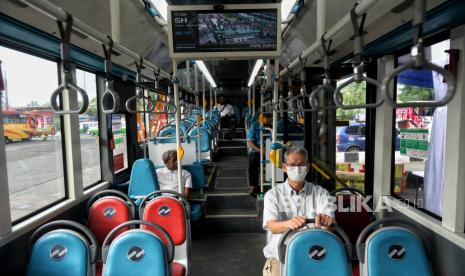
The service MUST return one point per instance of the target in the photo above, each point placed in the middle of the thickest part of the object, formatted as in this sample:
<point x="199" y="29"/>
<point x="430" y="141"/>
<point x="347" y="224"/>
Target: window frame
<point x="98" y="95"/>
<point x="25" y="50"/>
<point x="428" y="42"/>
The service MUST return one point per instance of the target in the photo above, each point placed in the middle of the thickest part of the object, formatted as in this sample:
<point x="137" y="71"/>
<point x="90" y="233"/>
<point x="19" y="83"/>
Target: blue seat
<point x="392" y="250"/>
<point x="170" y="131"/>
<point x="204" y="138"/>
<point x="137" y="252"/>
<point x="62" y="248"/>
<point x="198" y="175"/>
<point x="315" y="252"/>
<point x="143" y="180"/>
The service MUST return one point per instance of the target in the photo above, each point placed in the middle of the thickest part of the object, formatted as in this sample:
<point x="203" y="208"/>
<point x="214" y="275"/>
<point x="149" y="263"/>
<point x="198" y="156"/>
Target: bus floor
<point x="230" y="239"/>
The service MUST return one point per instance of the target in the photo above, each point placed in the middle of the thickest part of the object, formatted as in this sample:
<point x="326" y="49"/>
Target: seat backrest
<point x="143" y="179"/>
<point x="397" y="250"/>
<point x="204" y="138"/>
<point x="170" y="211"/>
<point x="198" y="175"/>
<point x="106" y="210"/>
<point x="62" y="248"/>
<point x="316" y="252"/>
<point x="136" y="252"/>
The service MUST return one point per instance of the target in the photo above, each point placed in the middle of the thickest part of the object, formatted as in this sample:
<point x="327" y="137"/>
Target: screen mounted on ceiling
<point x="208" y="33"/>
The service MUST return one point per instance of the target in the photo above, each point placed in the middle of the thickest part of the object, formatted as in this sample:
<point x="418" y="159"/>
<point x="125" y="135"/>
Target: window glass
<point x="157" y="121"/>
<point x="420" y="134"/>
<point x="350" y="137"/>
<point x="32" y="133"/>
<point x="120" y="150"/>
<point x="89" y="130"/>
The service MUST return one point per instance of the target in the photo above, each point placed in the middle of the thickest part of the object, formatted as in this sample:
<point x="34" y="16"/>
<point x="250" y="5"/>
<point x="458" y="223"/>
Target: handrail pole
<point x="178" y="122"/>
<point x="262" y="92"/>
<point x="275" y="119"/>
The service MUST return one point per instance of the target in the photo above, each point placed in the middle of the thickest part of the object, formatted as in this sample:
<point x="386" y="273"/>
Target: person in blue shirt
<point x="253" y="140"/>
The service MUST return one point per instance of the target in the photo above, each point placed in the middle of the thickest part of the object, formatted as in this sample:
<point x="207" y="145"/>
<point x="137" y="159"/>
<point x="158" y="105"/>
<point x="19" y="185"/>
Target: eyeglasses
<point x="296" y="165"/>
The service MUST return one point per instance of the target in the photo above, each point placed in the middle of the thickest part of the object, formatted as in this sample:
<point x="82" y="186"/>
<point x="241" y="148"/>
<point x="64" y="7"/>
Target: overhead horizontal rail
<point x="361" y="8"/>
<point x="59" y="14"/>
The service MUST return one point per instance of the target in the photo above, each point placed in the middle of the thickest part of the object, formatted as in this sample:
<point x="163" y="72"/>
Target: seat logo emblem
<point x="317" y="253"/>
<point x="164" y="210"/>
<point x="136" y="253"/>
<point x="109" y="212"/>
<point x="396" y="252"/>
<point x="58" y="252"/>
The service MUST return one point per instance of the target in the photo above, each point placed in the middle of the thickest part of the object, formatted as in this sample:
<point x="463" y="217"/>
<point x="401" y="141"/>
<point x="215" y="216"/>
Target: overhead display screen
<point x="237" y="30"/>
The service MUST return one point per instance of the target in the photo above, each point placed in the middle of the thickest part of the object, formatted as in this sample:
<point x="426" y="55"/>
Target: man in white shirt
<point x="168" y="175"/>
<point x="227" y="116"/>
<point x="289" y="204"/>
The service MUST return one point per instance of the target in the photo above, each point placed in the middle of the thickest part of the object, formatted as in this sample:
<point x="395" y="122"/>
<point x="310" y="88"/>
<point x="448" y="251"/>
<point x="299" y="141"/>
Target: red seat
<point x="170" y="210"/>
<point x="178" y="269"/>
<point x="169" y="213"/>
<point x="105" y="214"/>
<point x="354" y="221"/>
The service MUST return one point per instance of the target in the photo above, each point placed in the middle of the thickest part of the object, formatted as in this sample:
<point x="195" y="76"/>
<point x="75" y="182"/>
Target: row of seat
<point x="395" y="249"/>
<point x="162" y="240"/>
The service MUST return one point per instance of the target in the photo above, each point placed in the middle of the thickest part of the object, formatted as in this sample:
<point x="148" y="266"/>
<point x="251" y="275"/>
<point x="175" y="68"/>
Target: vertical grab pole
<point x="196" y="76"/>
<point x="211" y="101"/>
<point x="253" y="98"/>
<point x="275" y="119"/>
<point x="262" y="99"/>
<point x="203" y="97"/>
<point x="176" y="82"/>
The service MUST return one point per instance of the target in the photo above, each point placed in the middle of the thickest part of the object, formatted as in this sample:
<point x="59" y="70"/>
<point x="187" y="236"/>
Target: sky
<point x="29" y="78"/>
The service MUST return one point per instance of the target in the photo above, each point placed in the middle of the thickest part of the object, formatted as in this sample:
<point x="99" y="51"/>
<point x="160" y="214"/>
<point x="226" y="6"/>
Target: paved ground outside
<point x="35" y="172"/>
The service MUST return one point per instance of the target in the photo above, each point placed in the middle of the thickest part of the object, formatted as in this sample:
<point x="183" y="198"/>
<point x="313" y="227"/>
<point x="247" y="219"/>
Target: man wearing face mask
<point x="289" y="204"/>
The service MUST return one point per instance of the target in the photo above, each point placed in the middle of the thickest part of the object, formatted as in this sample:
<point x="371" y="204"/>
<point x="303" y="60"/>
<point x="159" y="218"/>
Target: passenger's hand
<point x="185" y="194"/>
<point x="296" y="222"/>
<point x="323" y="220"/>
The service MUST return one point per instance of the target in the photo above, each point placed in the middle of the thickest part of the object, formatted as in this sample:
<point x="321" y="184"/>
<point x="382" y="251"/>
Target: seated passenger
<point x="227" y="116"/>
<point x="168" y="175"/>
<point x="288" y="205"/>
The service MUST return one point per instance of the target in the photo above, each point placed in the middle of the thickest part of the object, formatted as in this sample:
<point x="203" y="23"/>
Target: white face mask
<point x="297" y="173"/>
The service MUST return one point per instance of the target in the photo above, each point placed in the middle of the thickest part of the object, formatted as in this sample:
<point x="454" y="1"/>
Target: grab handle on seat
<point x="282" y="247"/>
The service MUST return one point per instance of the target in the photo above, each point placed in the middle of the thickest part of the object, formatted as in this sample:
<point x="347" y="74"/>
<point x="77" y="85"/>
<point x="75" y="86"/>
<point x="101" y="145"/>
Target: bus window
<point x="32" y="132"/>
<point x="350" y="137"/>
<point x="120" y="150"/>
<point x="419" y="159"/>
<point x="89" y="130"/>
